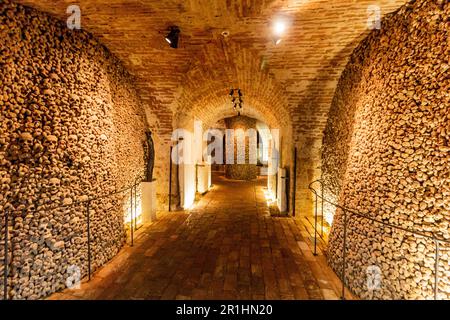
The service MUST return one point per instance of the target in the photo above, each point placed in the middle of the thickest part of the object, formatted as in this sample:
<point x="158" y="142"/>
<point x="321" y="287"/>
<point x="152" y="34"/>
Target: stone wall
<point x="386" y="154"/>
<point x="71" y="128"/>
<point x="238" y="171"/>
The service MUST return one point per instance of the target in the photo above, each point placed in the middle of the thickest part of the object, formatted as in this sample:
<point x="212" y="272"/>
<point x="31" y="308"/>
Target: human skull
<point x="51" y="142"/>
<point x="63" y="144"/>
<point x="26" y="140"/>
<point x="73" y="138"/>
<point x="91" y="138"/>
<point x="43" y="227"/>
<point x="74" y="98"/>
<point x="54" y="184"/>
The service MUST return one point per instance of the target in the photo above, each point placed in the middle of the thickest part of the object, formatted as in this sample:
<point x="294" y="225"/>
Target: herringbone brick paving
<point x="227" y="247"/>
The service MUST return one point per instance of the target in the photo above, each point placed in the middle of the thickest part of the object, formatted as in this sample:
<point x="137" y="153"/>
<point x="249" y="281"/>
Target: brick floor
<point x="227" y="247"/>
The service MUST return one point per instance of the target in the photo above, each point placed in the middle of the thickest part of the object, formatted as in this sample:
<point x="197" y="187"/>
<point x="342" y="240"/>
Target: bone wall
<point x="71" y="129"/>
<point x="237" y="170"/>
<point x="386" y="154"/>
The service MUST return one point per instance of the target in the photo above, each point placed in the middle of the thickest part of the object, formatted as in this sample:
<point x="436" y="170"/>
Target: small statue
<point x="149" y="156"/>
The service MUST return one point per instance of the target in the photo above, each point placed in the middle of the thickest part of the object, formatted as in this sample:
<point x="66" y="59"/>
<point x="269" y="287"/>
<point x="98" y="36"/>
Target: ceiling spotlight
<point x="172" y="37"/>
<point x="279" y="27"/>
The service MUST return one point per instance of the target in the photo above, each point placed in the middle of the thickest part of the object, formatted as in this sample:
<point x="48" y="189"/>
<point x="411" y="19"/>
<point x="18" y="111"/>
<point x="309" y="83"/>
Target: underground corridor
<point x="224" y="150"/>
<point x="227" y="247"/>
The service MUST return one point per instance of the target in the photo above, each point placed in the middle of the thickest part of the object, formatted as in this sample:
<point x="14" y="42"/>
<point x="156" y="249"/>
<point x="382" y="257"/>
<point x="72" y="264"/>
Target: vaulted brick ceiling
<point x="289" y="85"/>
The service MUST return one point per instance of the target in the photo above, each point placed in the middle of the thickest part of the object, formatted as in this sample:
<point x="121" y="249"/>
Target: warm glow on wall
<point x="189" y="195"/>
<point x="270" y="197"/>
<point x="328" y="216"/>
<point x="137" y="215"/>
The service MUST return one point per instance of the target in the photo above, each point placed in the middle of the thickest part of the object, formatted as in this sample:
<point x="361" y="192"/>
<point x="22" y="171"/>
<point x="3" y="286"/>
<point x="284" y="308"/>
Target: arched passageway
<point x="357" y="95"/>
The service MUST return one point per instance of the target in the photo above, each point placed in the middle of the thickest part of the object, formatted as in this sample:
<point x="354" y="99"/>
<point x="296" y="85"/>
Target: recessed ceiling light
<point x="279" y="27"/>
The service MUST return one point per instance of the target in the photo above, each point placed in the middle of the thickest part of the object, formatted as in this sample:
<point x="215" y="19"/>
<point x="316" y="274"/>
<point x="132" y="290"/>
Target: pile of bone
<point x="397" y="160"/>
<point x="70" y="131"/>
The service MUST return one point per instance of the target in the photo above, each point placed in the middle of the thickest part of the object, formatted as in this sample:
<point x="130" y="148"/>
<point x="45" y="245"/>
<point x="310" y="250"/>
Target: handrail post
<point x="321" y="201"/>
<point x="170" y="179"/>
<point x="135" y="206"/>
<point x="315" y="224"/>
<point x="294" y="182"/>
<point x="344" y="253"/>
<point x="131" y="217"/>
<point x="436" y="269"/>
<point x="5" y="269"/>
<point x="88" y="218"/>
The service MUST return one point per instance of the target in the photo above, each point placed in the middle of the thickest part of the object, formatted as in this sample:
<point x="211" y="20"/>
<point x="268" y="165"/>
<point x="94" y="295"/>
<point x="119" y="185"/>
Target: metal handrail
<point x="431" y="235"/>
<point x="434" y="237"/>
<point x="87" y="202"/>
